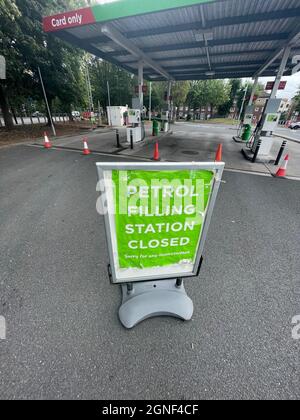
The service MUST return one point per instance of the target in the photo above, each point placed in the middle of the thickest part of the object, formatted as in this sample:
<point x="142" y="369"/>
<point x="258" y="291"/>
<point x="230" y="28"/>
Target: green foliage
<point x="26" y="47"/>
<point x="235" y="86"/>
<point x="237" y="93"/>
<point x="121" y="83"/>
<point x="249" y="86"/>
<point x="297" y="101"/>
<point x="208" y="92"/>
<point x="180" y="92"/>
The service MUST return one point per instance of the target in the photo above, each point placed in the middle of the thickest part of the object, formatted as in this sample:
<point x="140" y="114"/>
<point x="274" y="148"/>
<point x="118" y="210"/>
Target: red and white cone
<point x="47" y="143"/>
<point x="86" y="150"/>
<point x="281" y="173"/>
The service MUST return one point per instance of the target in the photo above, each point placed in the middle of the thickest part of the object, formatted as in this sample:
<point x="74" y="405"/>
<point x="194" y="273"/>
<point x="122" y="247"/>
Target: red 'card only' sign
<point x="68" y="20"/>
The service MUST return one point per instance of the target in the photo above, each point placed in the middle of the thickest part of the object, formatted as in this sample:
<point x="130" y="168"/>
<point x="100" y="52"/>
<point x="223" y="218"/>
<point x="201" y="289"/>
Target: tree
<point x="9" y="13"/>
<point x="180" y="91"/>
<point x="241" y="94"/>
<point x="26" y="47"/>
<point x="157" y="96"/>
<point x="296" y="100"/>
<point x="120" y="81"/>
<point x="235" y="87"/>
<point x="237" y="92"/>
<point x="208" y="92"/>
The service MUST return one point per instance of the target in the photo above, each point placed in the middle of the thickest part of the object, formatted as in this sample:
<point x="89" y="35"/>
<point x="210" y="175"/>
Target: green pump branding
<point x="159" y="216"/>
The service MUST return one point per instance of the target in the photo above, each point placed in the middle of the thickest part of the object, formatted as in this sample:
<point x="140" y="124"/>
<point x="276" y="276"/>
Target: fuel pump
<point x="263" y="140"/>
<point x="165" y="121"/>
<point x="136" y="125"/>
<point x="268" y="124"/>
<point x="249" y="115"/>
<point x="244" y="130"/>
<point x="247" y="126"/>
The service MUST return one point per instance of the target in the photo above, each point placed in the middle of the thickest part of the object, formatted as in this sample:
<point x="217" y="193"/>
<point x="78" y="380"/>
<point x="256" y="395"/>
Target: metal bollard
<point x="131" y="139"/>
<point x="179" y="283"/>
<point x="118" y="139"/>
<point x="280" y="153"/>
<point x="256" y="151"/>
<point x="130" y="288"/>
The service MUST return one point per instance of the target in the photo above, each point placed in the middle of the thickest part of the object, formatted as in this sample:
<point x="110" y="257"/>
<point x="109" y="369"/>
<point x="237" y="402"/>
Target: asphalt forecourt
<point x="63" y="335"/>
<point x="186" y="142"/>
<point x="199" y="142"/>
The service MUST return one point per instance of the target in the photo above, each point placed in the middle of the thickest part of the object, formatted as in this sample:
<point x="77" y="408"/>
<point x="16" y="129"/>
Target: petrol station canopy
<point x="186" y="39"/>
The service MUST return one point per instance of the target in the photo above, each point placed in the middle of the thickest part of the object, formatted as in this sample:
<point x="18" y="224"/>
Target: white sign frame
<point x="161" y="273"/>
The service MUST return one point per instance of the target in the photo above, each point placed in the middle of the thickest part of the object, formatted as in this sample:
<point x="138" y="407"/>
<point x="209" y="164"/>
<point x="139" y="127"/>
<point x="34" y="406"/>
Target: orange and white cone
<point x="86" y="150"/>
<point x="281" y="173"/>
<point x="219" y="153"/>
<point x="47" y="143"/>
<point x="156" y="152"/>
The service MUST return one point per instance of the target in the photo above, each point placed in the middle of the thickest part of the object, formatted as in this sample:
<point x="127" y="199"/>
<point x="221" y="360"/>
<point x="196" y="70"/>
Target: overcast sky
<point x="293" y="85"/>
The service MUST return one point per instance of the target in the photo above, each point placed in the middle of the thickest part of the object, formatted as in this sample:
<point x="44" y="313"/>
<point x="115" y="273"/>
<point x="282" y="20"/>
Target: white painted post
<point x="141" y="84"/>
<point x="47" y="103"/>
<point x="169" y="96"/>
<point x="242" y="107"/>
<point x="150" y="101"/>
<point x="109" y="105"/>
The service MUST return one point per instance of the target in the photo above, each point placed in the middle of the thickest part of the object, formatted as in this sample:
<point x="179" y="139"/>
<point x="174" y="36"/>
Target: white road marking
<point x="240" y="171"/>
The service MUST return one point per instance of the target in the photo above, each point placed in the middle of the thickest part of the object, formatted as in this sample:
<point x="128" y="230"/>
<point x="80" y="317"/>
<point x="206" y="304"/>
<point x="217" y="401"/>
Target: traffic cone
<point x="86" y="150"/>
<point x="156" y="152"/>
<point x="219" y="153"/>
<point x="47" y="143"/>
<point x="281" y="173"/>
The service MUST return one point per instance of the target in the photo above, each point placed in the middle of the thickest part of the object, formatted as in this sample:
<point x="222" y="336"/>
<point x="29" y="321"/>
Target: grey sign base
<point x="154" y="298"/>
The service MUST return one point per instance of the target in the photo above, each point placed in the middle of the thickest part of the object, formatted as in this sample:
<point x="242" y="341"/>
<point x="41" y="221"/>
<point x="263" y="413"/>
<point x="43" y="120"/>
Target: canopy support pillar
<point x="253" y="91"/>
<point x="169" y="98"/>
<point x="281" y="71"/>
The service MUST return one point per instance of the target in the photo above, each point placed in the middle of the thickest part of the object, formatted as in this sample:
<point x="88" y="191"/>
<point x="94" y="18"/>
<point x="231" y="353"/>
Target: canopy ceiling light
<point x="201" y="36"/>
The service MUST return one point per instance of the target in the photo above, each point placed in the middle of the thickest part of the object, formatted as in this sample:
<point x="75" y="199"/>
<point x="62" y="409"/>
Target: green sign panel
<point x="159" y="216"/>
<point x="272" y="118"/>
<point x="156" y="217"/>
<point x="123" y="8"/>
<point x="111" y="10"/>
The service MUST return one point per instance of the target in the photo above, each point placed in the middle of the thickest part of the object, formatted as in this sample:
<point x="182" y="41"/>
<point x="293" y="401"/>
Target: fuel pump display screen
<point x="134" y="116"/>
<point x="271" y="122"/>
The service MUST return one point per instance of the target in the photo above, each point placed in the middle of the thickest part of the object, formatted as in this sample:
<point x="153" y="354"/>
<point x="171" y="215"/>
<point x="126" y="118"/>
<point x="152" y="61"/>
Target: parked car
<point x="75" y="114"/>
<point x="295" y="126"/>
<point x="37" y="114"/>
<point x="87" y="115"/>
